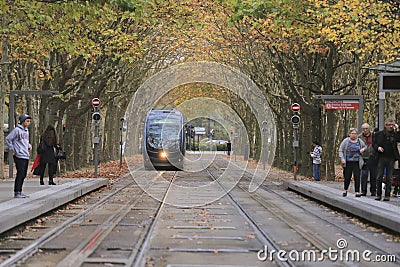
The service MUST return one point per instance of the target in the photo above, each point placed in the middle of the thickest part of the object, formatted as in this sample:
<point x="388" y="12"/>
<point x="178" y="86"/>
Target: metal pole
<point x="264" y="144"/>
<point x="10" y="128"/>
<point x="120" y="152"/>
<point x="381" y="103"/>
<point x="121" y="143"/>
<point x="360" y="114"/>
<point x="295" y="144"/>
<point x="96" y="148"/>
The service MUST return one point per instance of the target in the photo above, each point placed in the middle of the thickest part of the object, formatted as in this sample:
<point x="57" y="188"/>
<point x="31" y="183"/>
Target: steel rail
<point x="263" y="236"/>
<point x="34" y="247"/>
<point x="351" y="233"/>
<point x="82" y="252"/>
<point x="136" y="259"/>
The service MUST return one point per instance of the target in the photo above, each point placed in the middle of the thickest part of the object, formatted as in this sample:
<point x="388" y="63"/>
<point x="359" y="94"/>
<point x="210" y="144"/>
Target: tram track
<point x="318" y="242"/>
<point x="188" y="218"/>
<point x="87" y="246"/>
<point x="337" y="225"/>
<point x="264" y="237"/>
<point x="34" y="247"/>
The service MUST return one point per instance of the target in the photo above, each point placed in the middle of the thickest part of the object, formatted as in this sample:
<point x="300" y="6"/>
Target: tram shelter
<point x="389" y="81"/>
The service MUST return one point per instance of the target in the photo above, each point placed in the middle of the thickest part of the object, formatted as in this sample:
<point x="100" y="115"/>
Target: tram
<point x="164" y="140"/>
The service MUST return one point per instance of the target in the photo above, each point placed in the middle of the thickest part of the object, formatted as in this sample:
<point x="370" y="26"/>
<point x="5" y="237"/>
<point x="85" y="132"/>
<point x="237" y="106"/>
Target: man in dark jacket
<point x="385" y="143"/>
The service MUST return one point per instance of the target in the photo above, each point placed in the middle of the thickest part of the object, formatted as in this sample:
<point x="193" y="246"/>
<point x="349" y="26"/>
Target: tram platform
<point x="42" y="198"/>
<point x="383" y="213"/>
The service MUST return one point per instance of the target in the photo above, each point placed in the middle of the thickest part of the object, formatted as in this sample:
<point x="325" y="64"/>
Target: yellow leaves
<point x="383" y="21"/>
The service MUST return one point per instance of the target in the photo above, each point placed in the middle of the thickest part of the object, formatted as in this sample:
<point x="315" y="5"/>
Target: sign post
<point x="295" y="121"/>
<point x="345" y="102"/>
<point x="96" y="117"/>
<point x="264" y="144"/>
<point x="121" y="142"/>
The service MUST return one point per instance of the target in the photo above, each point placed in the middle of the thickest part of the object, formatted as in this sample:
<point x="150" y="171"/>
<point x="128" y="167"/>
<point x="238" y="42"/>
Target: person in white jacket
<point x="316" y="155"/>
<point x="18" y="143"/>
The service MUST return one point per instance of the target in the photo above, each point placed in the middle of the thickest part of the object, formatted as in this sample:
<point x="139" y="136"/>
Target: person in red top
<point x="369" y="167"/>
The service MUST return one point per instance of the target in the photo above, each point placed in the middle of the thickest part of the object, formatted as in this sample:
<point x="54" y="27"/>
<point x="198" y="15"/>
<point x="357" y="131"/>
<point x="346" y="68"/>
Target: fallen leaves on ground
<point x="105" y="170"/>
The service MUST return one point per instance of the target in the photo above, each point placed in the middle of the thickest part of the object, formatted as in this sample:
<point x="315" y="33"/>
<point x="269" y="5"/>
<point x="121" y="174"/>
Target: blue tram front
<point x="164" y="140"/>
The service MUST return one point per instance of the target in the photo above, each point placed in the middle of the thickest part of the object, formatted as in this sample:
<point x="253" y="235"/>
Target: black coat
<point x="381" y="137"/>
<point x="47" y="153"/>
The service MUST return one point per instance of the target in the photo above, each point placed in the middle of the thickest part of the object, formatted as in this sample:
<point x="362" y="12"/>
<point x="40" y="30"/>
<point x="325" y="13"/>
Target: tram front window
<point x="163" y="135"/>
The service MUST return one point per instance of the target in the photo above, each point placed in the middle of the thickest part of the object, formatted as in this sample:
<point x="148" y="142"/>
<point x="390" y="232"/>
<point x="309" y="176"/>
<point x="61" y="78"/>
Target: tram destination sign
<point x="342" y="104"/>
<point x="389" y="82"/>
<point x="199" y="130"/>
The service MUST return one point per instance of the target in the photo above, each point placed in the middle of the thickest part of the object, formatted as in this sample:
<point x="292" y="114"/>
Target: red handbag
<point x="36" y="162"/>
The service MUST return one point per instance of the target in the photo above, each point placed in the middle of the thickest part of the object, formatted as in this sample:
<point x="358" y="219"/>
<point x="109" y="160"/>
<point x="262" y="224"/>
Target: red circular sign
<point x="295" y="107"/>
<point x="96" y="102"/>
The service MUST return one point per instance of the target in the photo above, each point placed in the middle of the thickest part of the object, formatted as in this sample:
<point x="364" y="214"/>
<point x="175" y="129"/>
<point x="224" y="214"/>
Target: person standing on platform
<point x="369" y="167"/>
<point x="385" y="143"/>
<point x="316" y="155"/>
<point x="350" y="154"/>
<point x="18" y="143"/>
<point x="49" y="144"/>
<point x="228" y="148"/>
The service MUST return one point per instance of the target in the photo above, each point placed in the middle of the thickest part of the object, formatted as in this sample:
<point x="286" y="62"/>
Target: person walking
<point x="48" y="146"/>
<point x="316" y="156"/>
<point x="350" y="154"/>
<point x="18" y="144"/>
<point x="385" y="143"/>
<point x="369" y="167"/>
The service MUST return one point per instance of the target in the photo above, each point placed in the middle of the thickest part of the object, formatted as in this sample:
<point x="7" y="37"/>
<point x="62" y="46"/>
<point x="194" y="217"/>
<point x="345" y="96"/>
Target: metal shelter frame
<point x="390" y="70"/>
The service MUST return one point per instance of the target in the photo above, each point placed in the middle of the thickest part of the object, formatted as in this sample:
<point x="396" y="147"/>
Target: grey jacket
<point x="343" y="149"/>
<point x="18" y="141"/>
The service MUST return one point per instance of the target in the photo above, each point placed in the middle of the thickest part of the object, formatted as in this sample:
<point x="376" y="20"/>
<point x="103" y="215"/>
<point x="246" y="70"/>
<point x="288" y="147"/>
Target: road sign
<point x="199" y="130"/>
<point x="96" y="102"/>
<point x="295" y="107"/>
<point x="342" y="104"/>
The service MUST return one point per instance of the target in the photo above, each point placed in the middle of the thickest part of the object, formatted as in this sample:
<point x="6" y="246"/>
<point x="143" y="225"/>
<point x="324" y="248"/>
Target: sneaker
<point x="20" y="195"/>
<point x="358" y="195"/>
<point x="378" y="198"/>
<point x="386" y="199"/>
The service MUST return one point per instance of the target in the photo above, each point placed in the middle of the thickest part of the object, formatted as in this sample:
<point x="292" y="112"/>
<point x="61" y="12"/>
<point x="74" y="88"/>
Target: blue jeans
<point x="316" y="173"/>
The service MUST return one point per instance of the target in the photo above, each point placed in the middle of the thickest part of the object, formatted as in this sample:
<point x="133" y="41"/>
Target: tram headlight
<point x="163" y="154"/>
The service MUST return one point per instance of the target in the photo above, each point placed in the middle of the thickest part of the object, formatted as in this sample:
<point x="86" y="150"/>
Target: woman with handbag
<point x="350" y="154"/>
<point x="48" y="148"/>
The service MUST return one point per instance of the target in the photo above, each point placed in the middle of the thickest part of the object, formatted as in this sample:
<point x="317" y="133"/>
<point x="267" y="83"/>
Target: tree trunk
<point x="330" y="144"/>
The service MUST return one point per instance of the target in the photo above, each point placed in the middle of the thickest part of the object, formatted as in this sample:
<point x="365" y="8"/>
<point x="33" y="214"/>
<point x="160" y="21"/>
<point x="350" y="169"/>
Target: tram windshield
<point x="164" y="132"/>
